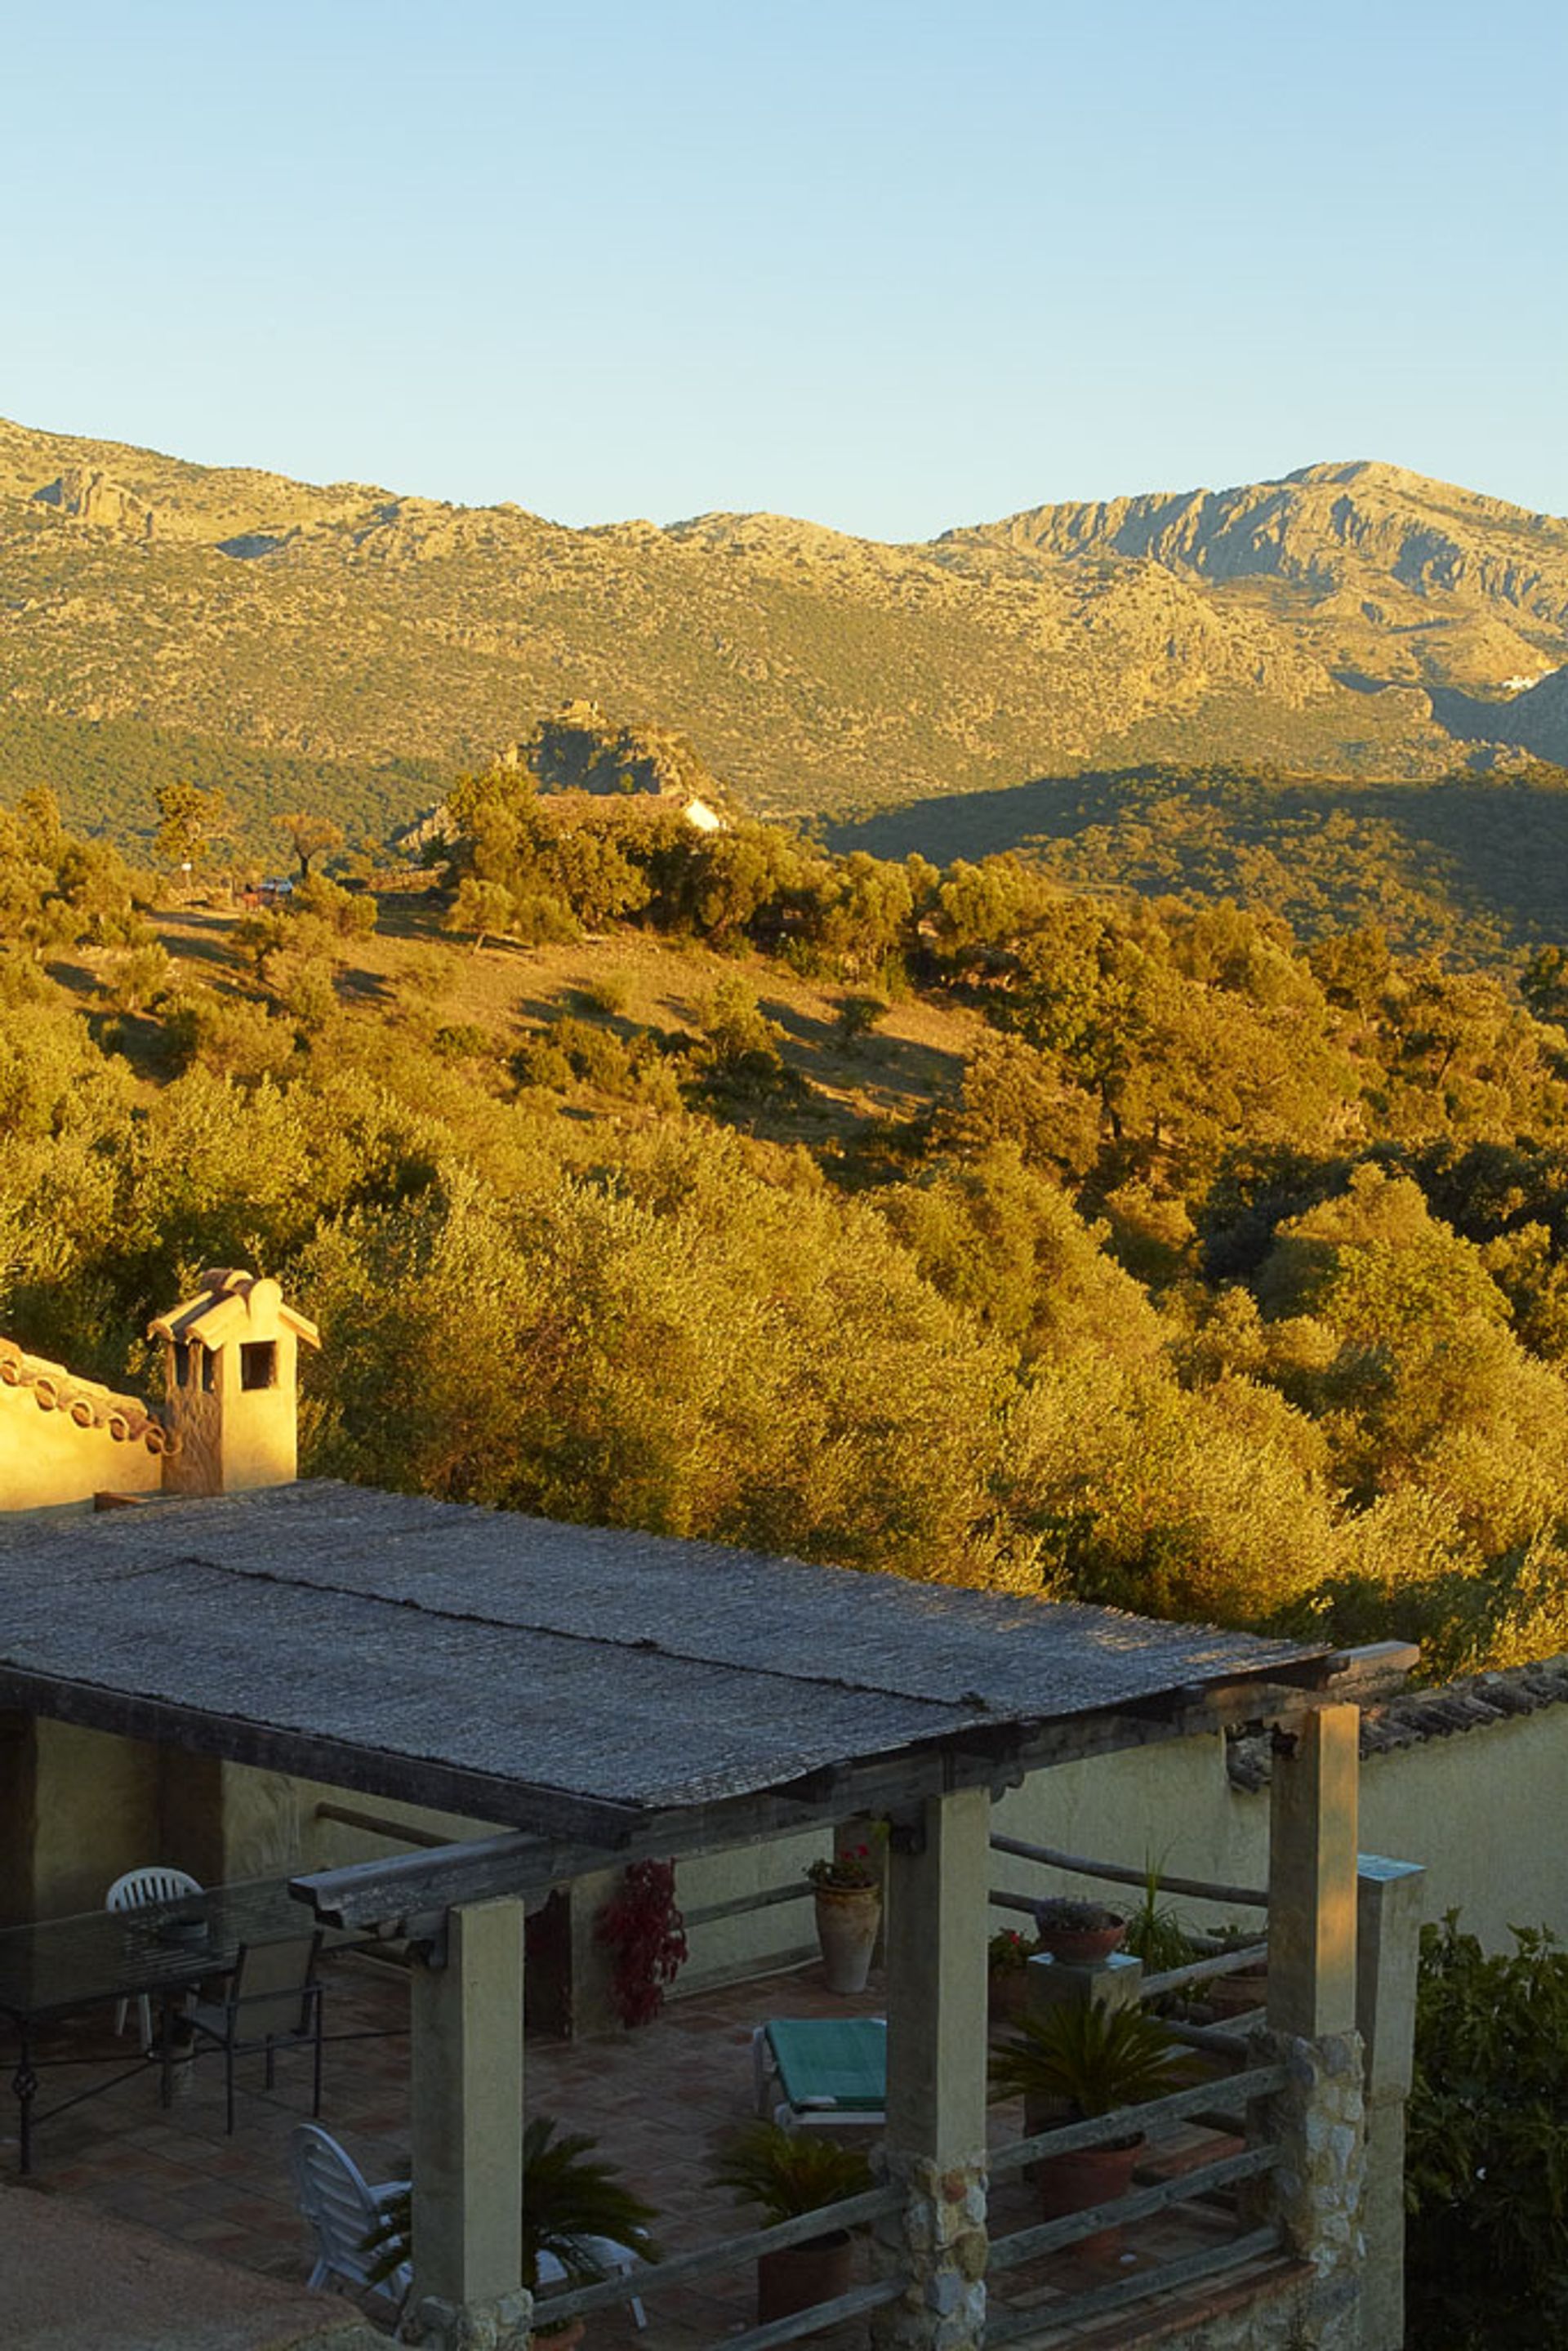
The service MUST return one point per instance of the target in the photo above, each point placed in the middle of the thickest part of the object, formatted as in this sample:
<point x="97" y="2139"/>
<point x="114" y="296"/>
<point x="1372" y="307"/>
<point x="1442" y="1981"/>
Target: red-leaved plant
<point x="647" y="1934"/>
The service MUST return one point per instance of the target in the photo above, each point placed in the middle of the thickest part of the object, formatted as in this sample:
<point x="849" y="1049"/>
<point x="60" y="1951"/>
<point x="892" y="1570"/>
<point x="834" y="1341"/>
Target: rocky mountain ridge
<point x="1347" y="619"/>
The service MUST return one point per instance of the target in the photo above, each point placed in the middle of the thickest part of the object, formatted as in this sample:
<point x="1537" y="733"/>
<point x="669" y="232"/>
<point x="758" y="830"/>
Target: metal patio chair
<point x="273" y="2002"/>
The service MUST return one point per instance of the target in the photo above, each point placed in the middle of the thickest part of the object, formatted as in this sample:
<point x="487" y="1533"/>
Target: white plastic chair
<point x="608" y="2255"/>
<point x="343" y="2208"/>
<point x="134" y="1891"/>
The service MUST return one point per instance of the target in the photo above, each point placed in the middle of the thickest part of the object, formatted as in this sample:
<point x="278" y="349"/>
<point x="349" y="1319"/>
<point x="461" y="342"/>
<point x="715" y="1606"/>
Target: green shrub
<point x="460" y="1041"/>
<point x="859" y="1015"/>
<point x="609" y="995"/>
<point x="1486" y="2254"/>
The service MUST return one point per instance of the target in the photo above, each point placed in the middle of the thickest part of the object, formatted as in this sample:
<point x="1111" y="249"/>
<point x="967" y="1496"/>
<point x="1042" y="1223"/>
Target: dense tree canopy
<point x="1223" y="1278"/>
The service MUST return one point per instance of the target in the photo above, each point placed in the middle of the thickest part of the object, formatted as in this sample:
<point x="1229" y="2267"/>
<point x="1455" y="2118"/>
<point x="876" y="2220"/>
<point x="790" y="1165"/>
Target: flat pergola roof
<point x="582" y="1684"/>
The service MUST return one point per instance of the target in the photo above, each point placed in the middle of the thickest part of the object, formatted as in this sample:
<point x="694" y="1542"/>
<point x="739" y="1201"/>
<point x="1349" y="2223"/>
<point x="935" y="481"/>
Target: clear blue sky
<point x="889" y="266"/>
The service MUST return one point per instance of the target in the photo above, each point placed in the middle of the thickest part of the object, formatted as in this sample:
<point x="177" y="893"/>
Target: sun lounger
<point x="824" y="2071"/>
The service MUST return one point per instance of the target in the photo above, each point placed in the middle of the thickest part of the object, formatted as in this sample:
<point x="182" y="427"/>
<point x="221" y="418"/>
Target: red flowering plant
<point x="1009" y="1952"/>
<point x="647" y="1934"/>
<point x="851" y="1867"/>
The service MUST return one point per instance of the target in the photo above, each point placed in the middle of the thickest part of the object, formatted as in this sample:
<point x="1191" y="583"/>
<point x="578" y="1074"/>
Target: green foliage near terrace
<point x="1487" y="2182"/>
<point x="1216" y="1277"/>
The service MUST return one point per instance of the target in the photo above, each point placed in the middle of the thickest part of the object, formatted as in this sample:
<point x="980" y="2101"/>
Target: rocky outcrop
<point x="1537" y="720"/>
<point x="1322" y="528"/>
<point x="90" y="497"/>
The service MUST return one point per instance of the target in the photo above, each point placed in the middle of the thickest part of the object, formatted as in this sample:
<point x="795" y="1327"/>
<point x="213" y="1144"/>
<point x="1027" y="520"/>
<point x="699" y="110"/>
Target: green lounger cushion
<point x="840" y="2061"/>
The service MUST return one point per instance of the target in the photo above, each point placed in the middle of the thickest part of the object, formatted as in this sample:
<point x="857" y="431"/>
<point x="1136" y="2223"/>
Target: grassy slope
<point x="915" y="1057"/>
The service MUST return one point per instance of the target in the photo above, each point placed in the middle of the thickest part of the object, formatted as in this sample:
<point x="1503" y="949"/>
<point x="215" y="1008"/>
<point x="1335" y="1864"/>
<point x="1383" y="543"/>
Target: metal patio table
<point x="60" y="1966"/>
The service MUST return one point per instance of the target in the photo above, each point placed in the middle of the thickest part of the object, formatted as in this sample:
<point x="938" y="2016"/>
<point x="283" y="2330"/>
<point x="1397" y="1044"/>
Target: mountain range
<point x="1349" y="620"/>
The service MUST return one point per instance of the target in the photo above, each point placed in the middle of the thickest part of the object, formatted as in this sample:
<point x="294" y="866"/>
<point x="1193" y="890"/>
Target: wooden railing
<point x="739" y="1906"/>
<point x="1239" y="2092"/>
<point x="730" y="2252"/>
<point x="1119" y="1873"/>
<point x="1212" y="1957"/>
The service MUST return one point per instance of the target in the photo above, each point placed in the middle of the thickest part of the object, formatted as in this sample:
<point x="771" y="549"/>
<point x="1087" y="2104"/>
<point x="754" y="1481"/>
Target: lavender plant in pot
<point x="1078" y="1933"/>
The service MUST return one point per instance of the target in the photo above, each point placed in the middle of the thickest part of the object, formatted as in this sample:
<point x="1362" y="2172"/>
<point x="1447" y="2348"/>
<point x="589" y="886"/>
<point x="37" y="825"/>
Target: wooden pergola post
<point x="1313" y="1875"/>
<point x="466" y="2096"/>
<point x="1319" y="2117"/>
<point x="938" y="1882"/>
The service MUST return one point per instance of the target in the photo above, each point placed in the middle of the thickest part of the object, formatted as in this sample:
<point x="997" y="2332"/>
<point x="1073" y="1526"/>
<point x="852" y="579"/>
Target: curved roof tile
<point x="86" y="1402"/>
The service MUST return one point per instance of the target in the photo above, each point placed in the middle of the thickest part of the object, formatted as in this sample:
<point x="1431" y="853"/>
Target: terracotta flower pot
<point x="1076" y="2183"/>
<point x="1082" y="1947"/>
<point x="847" y="1921"/>
<point x="1234" y="1995"/>
<point x="797" y="2276"/>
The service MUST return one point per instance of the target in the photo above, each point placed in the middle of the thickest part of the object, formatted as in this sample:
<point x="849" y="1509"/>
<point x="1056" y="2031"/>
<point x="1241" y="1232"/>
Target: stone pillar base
<point x="1318" y="2121"/>
<point x="503" y="2326"/>
<point x="939" y="2238"/>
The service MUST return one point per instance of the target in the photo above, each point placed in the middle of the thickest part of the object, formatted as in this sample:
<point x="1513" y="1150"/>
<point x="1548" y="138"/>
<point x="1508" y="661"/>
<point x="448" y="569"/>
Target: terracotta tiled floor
<point x="659" y="2101"/>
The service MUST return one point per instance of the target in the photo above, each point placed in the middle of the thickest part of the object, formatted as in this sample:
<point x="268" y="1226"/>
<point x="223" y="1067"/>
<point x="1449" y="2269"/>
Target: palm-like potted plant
<point x="1155" y="1934"/>
<point x="1089" y="2060"/>
<point x="572" y="2196"/>
<point x="786" y="2173"/>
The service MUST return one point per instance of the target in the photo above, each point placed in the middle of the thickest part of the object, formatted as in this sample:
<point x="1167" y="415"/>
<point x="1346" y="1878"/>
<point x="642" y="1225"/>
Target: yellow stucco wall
<point x="1478" y="1810"/>
<point x="274" y="1824"/>
<point x="77" y="1807"/>
<point x="45" y="1458"/>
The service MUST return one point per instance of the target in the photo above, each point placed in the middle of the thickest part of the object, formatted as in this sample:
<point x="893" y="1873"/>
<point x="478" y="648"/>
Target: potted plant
<point x="1154" y="1933"/>
<point x="1244" y="1989"/>
<point x="847" y="1885"/>
<point x="786" y="2173"/>
<point x="570" y="2196"/>
<point x="1008" y="1955"/>
<point x="1089" y="2059"/>
<point x="1078" y="1933"/>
